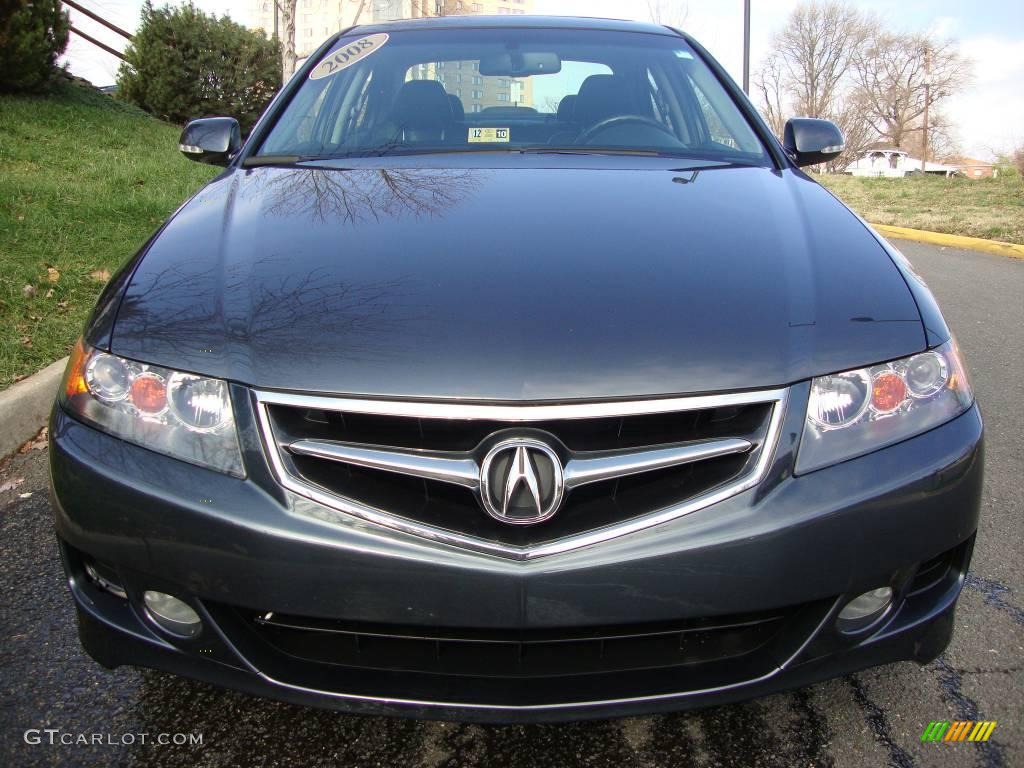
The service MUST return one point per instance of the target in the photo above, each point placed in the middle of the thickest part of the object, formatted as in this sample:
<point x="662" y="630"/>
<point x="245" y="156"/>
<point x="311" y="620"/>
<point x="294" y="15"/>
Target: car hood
<point x="516" y="283"/>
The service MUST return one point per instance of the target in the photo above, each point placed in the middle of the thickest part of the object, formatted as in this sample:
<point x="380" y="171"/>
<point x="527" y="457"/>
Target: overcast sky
<point x="989" y="116"/>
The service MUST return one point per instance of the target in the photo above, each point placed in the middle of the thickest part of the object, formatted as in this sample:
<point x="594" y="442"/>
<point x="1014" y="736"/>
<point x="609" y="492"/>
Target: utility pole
<point x="746" y="47"/>
<point x="927" y="99"/>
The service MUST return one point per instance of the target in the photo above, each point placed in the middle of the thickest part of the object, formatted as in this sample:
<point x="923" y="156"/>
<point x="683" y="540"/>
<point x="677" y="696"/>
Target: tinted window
<point x="446" y="90"/>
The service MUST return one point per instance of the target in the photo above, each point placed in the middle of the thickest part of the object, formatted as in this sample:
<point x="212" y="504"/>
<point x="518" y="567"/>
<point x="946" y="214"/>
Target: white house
<point x="894" y="163"/>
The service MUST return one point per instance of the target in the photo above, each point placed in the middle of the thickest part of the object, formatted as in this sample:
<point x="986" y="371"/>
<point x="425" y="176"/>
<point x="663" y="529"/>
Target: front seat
<point x="601" y="97"/>
<point x="422" y="112"/>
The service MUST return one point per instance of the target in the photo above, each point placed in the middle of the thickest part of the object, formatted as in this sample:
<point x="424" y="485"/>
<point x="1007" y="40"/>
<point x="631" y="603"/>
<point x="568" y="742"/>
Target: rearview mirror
<point x="519" y="64"/>
<point x="211" y="140"/>
<point x="810" y="141"/>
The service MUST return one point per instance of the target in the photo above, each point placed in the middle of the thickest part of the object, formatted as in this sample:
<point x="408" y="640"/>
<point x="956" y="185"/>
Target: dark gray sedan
<point x="512" y="370"/>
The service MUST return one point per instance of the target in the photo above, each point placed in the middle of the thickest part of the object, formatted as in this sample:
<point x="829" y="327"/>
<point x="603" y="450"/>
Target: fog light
<point x="864" y="609"/>
<point x="171" y="614"/>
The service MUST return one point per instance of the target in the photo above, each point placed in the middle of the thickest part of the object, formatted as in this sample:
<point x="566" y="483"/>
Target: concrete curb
<point x="953" y="241"/>
<point x="25" y="406"/>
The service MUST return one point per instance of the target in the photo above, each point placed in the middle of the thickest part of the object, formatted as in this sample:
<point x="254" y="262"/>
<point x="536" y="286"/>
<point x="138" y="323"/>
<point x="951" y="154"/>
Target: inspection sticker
<point x="349" y="55"/>
<point x="488" y="135"/>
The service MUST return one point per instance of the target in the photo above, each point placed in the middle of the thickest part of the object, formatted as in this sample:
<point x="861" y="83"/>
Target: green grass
<point x="84" y="180"/>
<point x="988" y="208"/>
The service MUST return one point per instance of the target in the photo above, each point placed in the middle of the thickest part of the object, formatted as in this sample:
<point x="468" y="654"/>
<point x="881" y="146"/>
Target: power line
<point x="97" y="43"/>
<point x="96" y="17"/>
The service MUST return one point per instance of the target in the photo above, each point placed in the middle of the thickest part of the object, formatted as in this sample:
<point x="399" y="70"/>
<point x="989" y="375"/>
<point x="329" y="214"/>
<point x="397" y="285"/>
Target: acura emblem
<point x="521" y="481"/>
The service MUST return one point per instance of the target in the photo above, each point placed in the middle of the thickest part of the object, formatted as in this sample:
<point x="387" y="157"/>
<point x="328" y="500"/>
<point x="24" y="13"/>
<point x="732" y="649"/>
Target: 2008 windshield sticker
<point x="349" y="55"/>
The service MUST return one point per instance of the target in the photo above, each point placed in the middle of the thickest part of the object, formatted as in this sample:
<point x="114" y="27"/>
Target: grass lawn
<point x="84" y="180"/>
<point x="989" y="208"/>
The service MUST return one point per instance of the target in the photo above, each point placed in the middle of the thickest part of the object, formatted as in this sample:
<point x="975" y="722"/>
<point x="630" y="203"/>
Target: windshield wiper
<point x="627" y="152"/>
<point x="257" y="161"/>
<point x="408" y="151"/>
<point x="591" y="151"/>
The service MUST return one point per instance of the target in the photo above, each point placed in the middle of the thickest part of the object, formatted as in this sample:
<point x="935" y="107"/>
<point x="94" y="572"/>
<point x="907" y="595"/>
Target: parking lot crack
<point x="990" y="752"/>
<point x="876" y="720"/>
<point x="993" y="592"/>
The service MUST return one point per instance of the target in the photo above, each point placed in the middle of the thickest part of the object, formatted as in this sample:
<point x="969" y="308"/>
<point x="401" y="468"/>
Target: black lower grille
<point x="518" y="667"/>
<point x="517" y="654"/>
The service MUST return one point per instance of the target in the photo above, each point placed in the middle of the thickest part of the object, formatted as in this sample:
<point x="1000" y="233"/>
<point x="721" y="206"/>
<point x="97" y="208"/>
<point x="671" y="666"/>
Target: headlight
<point x="856" y="412"/>
<point x="183" y="415"/>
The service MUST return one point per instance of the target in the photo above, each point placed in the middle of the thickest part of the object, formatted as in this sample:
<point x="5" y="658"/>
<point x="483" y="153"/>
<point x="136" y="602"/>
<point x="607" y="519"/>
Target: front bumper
<point x="793" y="547"/>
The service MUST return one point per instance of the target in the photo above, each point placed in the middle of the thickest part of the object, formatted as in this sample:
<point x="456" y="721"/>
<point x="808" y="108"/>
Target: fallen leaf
<point x="49" y="294"/>
<point x="52" y="274"/>
<point x="26" y="341"/>
<point x="100" y="275"/>
<point x="29" y="291"/>
<point x="12" y="484"/>
<point x="37" y="443"/>
<point x="62" y="305"/>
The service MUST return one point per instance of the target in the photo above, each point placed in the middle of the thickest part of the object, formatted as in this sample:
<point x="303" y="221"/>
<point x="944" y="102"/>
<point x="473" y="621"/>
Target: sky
<point x="988" y="116"/>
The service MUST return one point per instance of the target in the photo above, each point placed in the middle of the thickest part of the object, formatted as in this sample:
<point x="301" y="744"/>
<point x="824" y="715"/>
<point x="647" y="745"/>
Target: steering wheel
<point x="616" y="121"/>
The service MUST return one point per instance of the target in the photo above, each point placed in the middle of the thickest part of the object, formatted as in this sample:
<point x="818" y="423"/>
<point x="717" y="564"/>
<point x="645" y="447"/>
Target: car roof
<point x="513" y="22"/>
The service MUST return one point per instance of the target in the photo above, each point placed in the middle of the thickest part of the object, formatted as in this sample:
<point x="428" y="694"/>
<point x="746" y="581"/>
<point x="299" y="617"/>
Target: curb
<point x="1013" y="250"/>
<point x="25" y="406"/>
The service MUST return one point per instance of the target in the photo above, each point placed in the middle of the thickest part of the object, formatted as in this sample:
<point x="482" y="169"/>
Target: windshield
<point x="459" y="90"/>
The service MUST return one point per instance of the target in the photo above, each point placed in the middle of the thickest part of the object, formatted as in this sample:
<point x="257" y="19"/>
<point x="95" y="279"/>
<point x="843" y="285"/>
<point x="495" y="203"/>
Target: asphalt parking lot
<point x="873" y="718"/>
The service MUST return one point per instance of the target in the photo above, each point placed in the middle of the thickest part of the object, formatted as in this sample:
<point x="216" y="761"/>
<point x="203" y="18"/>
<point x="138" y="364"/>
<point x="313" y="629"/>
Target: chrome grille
<point x="415" y="466"/>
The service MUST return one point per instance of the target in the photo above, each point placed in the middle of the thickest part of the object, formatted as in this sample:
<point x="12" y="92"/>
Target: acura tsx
<point x="512" y="370"/>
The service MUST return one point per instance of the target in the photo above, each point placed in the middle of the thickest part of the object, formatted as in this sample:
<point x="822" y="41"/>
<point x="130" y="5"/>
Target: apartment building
<point x="315" y="20"/>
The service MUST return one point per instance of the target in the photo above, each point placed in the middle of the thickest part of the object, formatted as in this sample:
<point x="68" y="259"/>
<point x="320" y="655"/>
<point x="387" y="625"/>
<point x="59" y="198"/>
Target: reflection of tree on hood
<point x="352" y="196"/>
<point x="177" y="309"/>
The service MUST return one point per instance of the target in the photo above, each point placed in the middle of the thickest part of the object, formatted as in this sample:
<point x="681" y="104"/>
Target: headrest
<point x="422" y="103"/>
<point x="601" y="97"/>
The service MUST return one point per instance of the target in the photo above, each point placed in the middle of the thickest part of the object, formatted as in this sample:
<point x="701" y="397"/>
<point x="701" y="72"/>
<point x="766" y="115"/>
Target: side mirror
<point x="810" y="141"/>
<point x="211" y="140"/>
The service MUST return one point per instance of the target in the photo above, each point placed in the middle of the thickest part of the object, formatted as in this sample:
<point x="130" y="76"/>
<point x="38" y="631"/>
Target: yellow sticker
<point x="349" y="55"/>
<point x="488" y="135"/>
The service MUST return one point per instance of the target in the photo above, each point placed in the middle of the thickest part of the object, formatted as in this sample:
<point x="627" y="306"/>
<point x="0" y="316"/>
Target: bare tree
<point x="770" y="86"/>
<point x="942" y="139"/>
<point x="809" y="73"/>
<point x="671" y="13"/>
<point x="892" y="72"/>
<point x="815" y="51"/>
<point x="857" y="130"/>
<point x="359" y="12"/>
<point x="288" y="56"/>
